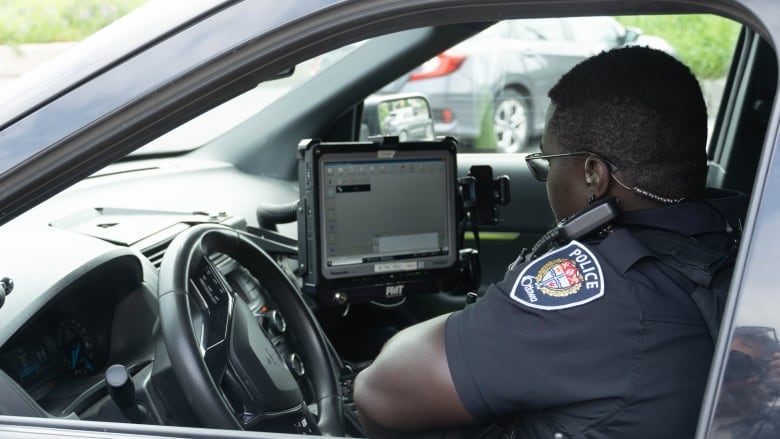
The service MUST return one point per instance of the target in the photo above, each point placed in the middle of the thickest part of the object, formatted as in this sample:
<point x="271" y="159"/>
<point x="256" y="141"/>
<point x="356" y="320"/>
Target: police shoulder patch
<point x="562" y="278"/>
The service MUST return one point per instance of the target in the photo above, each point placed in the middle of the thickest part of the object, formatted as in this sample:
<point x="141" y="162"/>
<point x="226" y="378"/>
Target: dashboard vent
<point x="155" y="253"/>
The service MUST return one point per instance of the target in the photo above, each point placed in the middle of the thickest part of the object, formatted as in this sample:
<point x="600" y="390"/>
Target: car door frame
<point x="764" y="210"/>
<point x="745" y="133"/>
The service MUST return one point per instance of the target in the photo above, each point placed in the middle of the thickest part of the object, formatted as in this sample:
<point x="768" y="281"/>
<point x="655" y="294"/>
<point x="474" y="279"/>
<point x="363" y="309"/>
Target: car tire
<point x="511" y="121"/>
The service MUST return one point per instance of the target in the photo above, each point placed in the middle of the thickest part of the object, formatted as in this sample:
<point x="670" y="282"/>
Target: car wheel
<point x="403" y="136"/>
<point x="511" y="121"/>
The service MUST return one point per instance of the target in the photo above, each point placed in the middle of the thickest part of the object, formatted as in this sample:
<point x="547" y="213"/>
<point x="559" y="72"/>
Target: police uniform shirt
<point x="590" y="338"/>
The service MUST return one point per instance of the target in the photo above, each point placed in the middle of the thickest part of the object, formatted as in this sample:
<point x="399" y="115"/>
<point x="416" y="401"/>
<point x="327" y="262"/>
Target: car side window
<point x="493" y="97"/>
<point x="603" y="29"/>
<point x="542" y="29"/>
<point x="499" y="30"/>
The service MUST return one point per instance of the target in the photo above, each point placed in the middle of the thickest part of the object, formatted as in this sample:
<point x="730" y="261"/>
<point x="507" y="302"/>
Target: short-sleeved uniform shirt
<point x="592" y="339"/>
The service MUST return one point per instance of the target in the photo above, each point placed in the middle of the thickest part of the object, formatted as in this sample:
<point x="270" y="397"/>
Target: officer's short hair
<point x="643" y="110"/>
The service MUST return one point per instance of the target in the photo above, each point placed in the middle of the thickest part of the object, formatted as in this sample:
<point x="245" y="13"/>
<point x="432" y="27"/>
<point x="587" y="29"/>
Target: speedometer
<point x="77" y="347"/>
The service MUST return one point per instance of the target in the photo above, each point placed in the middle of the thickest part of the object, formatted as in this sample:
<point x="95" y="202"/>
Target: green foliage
<point x="42" y="21"/>
<point x="703" y="42"/>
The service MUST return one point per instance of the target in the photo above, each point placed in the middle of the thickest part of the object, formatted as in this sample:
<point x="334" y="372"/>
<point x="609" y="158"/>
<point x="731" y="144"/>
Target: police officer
<point x="606" y="329"/>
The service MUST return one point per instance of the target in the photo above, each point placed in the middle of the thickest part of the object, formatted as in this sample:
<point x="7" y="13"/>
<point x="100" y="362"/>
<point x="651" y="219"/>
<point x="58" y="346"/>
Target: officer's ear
<point x="596" y="177"/>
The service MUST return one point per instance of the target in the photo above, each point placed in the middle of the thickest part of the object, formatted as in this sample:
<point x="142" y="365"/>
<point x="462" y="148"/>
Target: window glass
<point x="544" y="29"/>
<point x="750" y="387"/>
<point x="498" y="30"/>
<point x="222" y="118"/>
<point x="493" y="97"/>
<point x="604" y="29"/>
<point x="33" y="32"/>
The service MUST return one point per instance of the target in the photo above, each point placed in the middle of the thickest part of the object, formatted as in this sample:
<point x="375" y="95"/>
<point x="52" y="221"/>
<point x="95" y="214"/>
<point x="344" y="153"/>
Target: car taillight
<point x="446" y="115"/>
<point x="442" y="64"/>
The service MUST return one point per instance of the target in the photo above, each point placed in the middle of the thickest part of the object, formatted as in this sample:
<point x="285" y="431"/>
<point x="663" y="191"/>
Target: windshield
<point x="222" y="118"/>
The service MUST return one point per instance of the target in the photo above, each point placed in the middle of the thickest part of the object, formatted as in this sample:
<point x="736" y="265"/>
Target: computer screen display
<point x="382" y="215"/>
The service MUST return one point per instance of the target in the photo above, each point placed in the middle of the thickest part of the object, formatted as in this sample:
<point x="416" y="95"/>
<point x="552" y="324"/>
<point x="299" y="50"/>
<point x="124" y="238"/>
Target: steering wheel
<point x="227" y="366"/>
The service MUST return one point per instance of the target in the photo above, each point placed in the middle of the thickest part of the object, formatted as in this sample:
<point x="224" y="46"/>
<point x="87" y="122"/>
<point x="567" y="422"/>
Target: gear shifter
<point x="122" y="391"/>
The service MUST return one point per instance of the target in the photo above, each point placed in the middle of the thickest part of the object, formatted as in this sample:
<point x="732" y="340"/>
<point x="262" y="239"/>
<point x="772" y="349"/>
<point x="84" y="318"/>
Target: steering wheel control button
<point x="295" y="363"/>
<point x="210" y="285"/>
<point x="277" y="322"/>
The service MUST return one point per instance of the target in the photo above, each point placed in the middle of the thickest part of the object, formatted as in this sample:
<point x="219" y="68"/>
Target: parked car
<point x="150" y="291"/>
<point x="490" y="91"/>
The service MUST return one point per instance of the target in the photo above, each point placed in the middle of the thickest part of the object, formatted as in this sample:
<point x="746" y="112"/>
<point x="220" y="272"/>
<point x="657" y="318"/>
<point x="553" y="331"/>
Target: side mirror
<point x="407" y="116"/>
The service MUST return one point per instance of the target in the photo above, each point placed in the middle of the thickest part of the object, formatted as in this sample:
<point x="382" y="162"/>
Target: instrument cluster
<point x="55" y="351"/>
<point x="101" y="318"/>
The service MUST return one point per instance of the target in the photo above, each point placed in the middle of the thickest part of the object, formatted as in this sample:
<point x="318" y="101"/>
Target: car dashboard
<point x="90" y="299"/>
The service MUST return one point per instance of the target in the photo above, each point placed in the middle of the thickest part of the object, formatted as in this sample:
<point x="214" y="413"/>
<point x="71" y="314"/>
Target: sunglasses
<point x="539" y="164"/>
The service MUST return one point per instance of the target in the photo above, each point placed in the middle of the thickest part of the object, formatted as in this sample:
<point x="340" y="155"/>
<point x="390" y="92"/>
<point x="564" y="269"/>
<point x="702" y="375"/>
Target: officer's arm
<point x="408" y="387"/>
